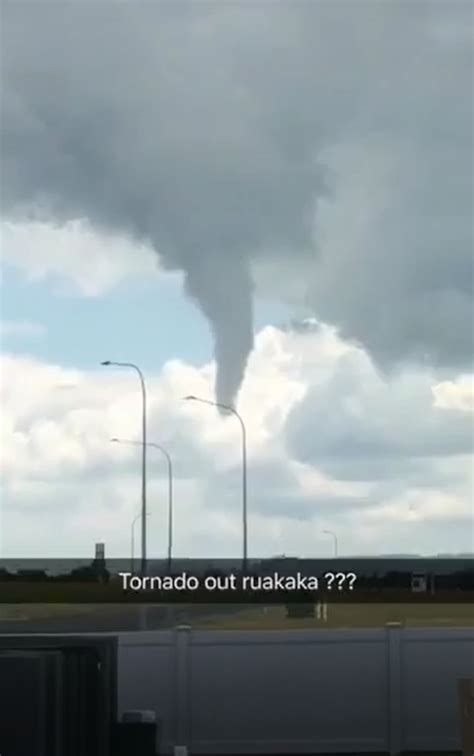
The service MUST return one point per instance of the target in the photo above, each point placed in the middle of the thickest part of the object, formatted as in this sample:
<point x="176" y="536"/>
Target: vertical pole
<point x="394" y="640"/>
<point x="144" y="450"/>
<point x="183" y="701"/>
<point x="244" y="493"/>
<point x="170" y="511"/>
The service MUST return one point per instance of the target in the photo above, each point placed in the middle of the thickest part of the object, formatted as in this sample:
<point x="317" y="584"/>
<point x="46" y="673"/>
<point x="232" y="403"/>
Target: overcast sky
<point x="179" y="182"/>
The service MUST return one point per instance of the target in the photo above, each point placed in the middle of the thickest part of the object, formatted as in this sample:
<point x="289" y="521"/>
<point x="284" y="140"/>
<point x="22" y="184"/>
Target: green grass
<point x="50" y="611"/>
<point x="347" y="616"/>
<point x="269" y="618"/>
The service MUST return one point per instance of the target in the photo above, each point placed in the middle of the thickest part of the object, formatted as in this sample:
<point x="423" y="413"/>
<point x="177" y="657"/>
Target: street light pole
<point x="334" y="536"/>
<point x="170" y="489"/>
<point x="232" y="410"/>
<point x="132" y="550"/>
<point x="170" y="502"/>
<point x="132" y="546"/>
<point x="144" y="450"/>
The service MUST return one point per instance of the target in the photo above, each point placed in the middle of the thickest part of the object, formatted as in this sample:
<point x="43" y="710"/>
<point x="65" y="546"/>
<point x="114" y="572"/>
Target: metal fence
<point x="389" y="690"/>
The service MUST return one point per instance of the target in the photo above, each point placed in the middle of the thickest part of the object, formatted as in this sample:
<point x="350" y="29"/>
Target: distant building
<point x="419" y="583"/>
<point x="422" y="582"/>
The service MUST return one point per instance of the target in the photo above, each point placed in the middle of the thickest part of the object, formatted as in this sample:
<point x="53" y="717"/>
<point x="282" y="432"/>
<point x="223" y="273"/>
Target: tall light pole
<point x="334" y="536"/>
<point x="144" y="449"/>
<point x="170" y="488"/>
<point x="132" y="549"/>
<point x="232" y="410"/>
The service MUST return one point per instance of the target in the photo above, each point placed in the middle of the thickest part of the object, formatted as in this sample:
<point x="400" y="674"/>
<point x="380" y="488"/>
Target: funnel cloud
<point x="224" y="293"/>
<point x="249" y="143"/>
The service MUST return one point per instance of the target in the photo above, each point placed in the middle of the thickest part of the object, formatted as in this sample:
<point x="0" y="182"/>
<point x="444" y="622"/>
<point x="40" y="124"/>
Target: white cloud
<point x="21" y="329"/>
<point x="66" y="486"/>
<point x="458" y="395"/>
<point x="75" y="256"/>
<point x="418" y="505"/>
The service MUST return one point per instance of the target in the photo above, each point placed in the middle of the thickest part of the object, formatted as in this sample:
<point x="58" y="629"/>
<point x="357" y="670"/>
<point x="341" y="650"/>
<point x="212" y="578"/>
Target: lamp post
<point x="334" y="536"/>
<point x="144" y="449"/>
<point x="233" y="411"/>
<point x="170" y="488"/>
<point x="132" y="549"/>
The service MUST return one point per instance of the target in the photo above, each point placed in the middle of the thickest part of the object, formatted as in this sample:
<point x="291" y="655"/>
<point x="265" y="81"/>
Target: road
<point x="115" y="619"/>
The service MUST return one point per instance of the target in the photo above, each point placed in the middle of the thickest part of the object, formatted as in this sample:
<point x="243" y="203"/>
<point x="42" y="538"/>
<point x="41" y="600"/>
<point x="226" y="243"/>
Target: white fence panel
<point x="322" y="691"/>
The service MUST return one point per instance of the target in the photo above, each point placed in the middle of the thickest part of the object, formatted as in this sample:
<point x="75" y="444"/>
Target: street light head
<point x="115" y="440"/>
<point x="190" y="398"/>
<point x="106" y="362"/>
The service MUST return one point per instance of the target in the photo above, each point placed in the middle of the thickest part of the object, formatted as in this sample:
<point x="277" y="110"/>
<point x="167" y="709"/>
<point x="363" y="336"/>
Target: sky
<point x="182" y="186"/>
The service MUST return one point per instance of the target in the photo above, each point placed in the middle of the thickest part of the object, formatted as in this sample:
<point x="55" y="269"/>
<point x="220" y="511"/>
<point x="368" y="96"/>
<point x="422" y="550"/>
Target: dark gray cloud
<point x="205" y="128"/>
<point x="359" y="425"/>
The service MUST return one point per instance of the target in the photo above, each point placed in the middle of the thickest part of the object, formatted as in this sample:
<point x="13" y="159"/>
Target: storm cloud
<point x="310" y="147"/>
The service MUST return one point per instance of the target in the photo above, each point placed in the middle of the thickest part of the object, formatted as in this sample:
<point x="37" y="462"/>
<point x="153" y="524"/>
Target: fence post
<point x="394" y="658"/>
<point x="182" y="698"/>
